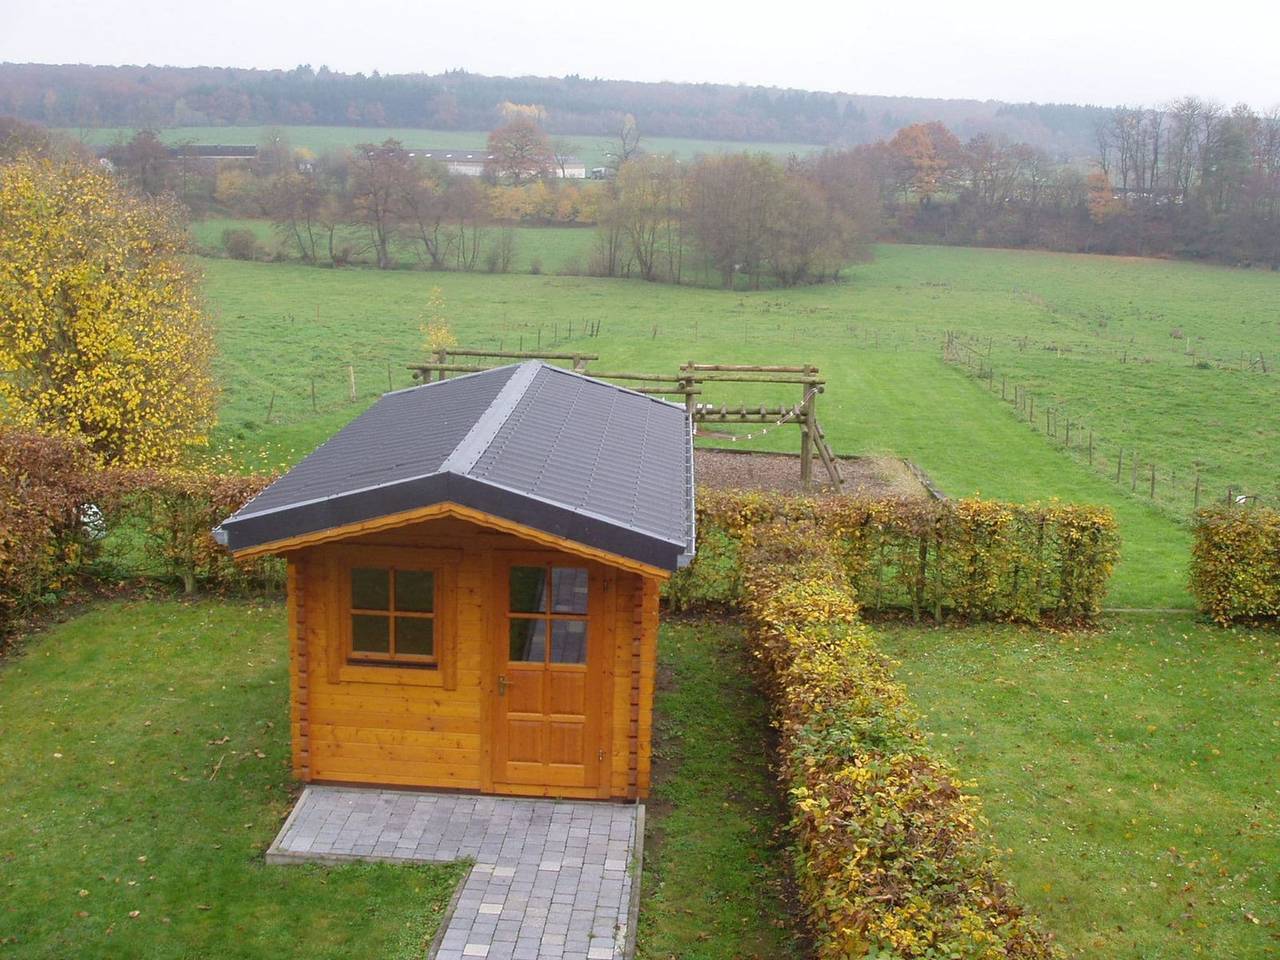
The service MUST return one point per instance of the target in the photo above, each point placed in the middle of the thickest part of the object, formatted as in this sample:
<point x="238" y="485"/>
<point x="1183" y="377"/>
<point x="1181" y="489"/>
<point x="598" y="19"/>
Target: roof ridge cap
<point x="472" y="446"/>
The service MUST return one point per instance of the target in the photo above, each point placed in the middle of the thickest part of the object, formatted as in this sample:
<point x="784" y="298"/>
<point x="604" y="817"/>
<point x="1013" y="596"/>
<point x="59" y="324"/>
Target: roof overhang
<point x="450" y="495"/>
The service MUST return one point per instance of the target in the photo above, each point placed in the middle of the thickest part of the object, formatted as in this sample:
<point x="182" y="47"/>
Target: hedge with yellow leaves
<point x="981" y="559"/>
<point x="1235" y="563"/>
<point x="890" y="856"/>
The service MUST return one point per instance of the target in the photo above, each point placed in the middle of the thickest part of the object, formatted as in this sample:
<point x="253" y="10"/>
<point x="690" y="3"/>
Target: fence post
<point x="1119" y="462"/>
<point x="1091" y="446"/>
<point x="1153" y="481"/>
<point x="351" y="383"/>
<point x="313" y="394"/>
<point x="1196" y="496"/>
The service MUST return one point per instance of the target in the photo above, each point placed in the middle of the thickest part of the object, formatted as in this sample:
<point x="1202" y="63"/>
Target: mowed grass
<point x="714" y="874"/>
<point x="878" y="338"/>
<point x="1130" y="773"/>
<point x="592" y="150"/>
<point x="144" y="770"/>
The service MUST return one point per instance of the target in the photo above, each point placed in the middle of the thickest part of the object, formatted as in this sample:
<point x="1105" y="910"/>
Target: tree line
<point x="83" y="96"/>
<point x="1188" y="179"/>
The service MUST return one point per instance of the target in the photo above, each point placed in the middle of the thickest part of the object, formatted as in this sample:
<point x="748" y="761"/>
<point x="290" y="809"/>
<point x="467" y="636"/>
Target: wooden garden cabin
<point x="473" y="573"/>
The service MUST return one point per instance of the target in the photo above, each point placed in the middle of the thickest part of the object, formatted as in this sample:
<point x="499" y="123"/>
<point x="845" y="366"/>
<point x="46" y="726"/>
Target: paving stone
<point x="552" y="879"/>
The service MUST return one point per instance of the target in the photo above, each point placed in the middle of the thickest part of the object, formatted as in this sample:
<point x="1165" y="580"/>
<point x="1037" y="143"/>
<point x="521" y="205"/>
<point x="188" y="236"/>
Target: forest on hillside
<point x="153" y="97"/>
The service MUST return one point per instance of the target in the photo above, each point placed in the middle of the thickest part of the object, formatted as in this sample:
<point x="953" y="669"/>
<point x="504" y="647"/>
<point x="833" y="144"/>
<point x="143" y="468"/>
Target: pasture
<point x="879" y="339"/>
<point x="590" y="149"/>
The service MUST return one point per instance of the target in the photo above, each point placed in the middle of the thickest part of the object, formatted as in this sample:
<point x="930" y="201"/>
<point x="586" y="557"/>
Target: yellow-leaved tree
<point x="434" y="324"/>
<point x="102" y="335"/>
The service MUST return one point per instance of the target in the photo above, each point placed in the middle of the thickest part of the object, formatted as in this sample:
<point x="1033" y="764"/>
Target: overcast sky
<point x="1082" y="51"/>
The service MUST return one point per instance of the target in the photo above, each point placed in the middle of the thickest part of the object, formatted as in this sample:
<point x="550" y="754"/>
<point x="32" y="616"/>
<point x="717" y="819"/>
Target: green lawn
<point x="590" y="149"/>
<point x="878" y="338"/>
<point x="714" y="873"/>
<point x="144" y="767"/>
<point x="143" y="772"/>
<point x="1131" y="773"/>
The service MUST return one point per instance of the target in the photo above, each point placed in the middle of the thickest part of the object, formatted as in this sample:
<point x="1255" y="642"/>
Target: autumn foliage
<point x="102" y="336"/>
<point x="890" y="856"/>
<point x="980" y="559"/>
<point x="1235" y="563"/>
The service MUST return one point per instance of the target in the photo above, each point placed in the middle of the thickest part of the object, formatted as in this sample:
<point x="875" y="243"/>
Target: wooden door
<point x="548" y="689"/>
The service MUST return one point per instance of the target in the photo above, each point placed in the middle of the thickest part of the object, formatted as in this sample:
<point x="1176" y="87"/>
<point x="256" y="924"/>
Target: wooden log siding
<point x="299" y="717"/>
<point x="433" y="728"/>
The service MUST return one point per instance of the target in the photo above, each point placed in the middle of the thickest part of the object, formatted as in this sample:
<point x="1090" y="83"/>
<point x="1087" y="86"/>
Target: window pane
<point x="528" y="641"/>
<point x="528" y="589"/>
<point x="569" y="589"/>
<point x="568" y="641"/>
<point x="415" y="636"/>
<point x="415" y="590"/>
<point x="370" y="588"/>
<point x="370" y="634"/>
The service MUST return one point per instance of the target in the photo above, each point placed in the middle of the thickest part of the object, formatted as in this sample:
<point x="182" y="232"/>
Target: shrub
<point x="241" y="244"/>
<point x="535" y="266"/>
<point x="1235" y="563"/>
<point x="976" y="558"/>
<point x="890" y="859"/>
<point x="46" y="483"/>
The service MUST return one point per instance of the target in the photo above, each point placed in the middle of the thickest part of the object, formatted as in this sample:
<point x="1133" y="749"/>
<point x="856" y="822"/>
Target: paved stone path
<point x="553" y="879"/>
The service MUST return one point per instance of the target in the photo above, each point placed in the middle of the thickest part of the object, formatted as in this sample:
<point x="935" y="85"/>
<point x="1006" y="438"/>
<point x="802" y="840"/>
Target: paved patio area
<point x="553" y="879"/>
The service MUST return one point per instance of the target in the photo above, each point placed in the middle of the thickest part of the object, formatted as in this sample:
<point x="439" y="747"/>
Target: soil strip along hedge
<point x="890" y="857"/>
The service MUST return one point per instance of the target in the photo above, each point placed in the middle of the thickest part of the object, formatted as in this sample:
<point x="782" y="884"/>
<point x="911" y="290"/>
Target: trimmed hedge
<point x="45" y="542"/>
<point x="980" y="559"/>
<point x="60" y="511"/>
<point x="1235" y="563"/>
<point x="890" y="859"/>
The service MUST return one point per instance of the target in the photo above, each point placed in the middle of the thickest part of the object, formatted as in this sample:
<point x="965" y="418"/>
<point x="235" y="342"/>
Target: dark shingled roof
<point x="554" y="450"/>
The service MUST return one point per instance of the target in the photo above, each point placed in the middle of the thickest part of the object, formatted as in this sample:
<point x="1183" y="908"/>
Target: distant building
<point x="471" y="163"/>
<point x="210" y="151"/>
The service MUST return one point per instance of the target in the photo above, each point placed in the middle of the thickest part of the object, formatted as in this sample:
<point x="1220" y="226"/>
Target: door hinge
<point x="599" y="754"/>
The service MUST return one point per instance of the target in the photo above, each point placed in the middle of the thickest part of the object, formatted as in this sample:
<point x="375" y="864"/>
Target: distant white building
<point x="471" y="163"/>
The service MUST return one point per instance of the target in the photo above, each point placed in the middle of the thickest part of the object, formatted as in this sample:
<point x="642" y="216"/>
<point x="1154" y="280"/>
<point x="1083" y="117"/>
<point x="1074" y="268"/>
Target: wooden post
<point x="271" y="406"/>
<point x="806" y="440"/>
<point x="1196" y="496"/>
<point x="1153" y="481"/>
<point x="1119" y="462"/>
<point x="1133" y="472"/>
<point x="351" y="382"/>
<point x="1031" y="406"/>
<point x="389" y="387"/>
<point x="1090" y="446"/>
<point x="313" y="394"/>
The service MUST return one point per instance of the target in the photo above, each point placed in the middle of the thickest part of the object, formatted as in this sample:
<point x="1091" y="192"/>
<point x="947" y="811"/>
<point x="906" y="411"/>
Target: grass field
<point x="878" y="338"/>
<point x="591" y="150"/>
<point x="1130" y="773"/>
<point x="144" y="769"/>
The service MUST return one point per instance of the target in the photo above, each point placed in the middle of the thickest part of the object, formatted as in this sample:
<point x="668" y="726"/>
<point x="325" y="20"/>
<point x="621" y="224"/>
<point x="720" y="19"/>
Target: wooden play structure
<point x="473" y="574"/>
<point x="686" y="386"/>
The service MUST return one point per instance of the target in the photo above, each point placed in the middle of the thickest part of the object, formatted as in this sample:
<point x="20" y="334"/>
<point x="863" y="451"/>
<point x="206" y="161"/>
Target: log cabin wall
<point x="437" y="727"/>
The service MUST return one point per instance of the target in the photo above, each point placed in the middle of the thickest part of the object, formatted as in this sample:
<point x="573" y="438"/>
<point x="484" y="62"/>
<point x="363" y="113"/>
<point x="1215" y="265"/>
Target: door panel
<point x="548" y="691"/>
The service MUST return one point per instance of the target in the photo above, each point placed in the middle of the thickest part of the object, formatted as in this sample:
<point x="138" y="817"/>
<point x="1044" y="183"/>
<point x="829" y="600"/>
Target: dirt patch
<point x="871" y="477"/>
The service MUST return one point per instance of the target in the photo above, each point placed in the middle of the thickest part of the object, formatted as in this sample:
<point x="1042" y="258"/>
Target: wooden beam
<point x="459" y="512"/>
<point x="746" y="368"/>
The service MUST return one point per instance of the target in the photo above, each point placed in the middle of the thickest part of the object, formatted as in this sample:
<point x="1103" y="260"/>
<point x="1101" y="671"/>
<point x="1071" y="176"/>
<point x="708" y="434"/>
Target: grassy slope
<point x="589" y="149"/>
<point x="877" y="338"/>
<point x="713" y="874"/>
<point x="1130" y="772"/>
<point x="111" y="727"/>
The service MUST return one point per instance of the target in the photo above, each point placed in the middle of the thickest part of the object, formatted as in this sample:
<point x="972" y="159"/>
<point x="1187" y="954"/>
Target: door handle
<point x="502" y="686"/>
